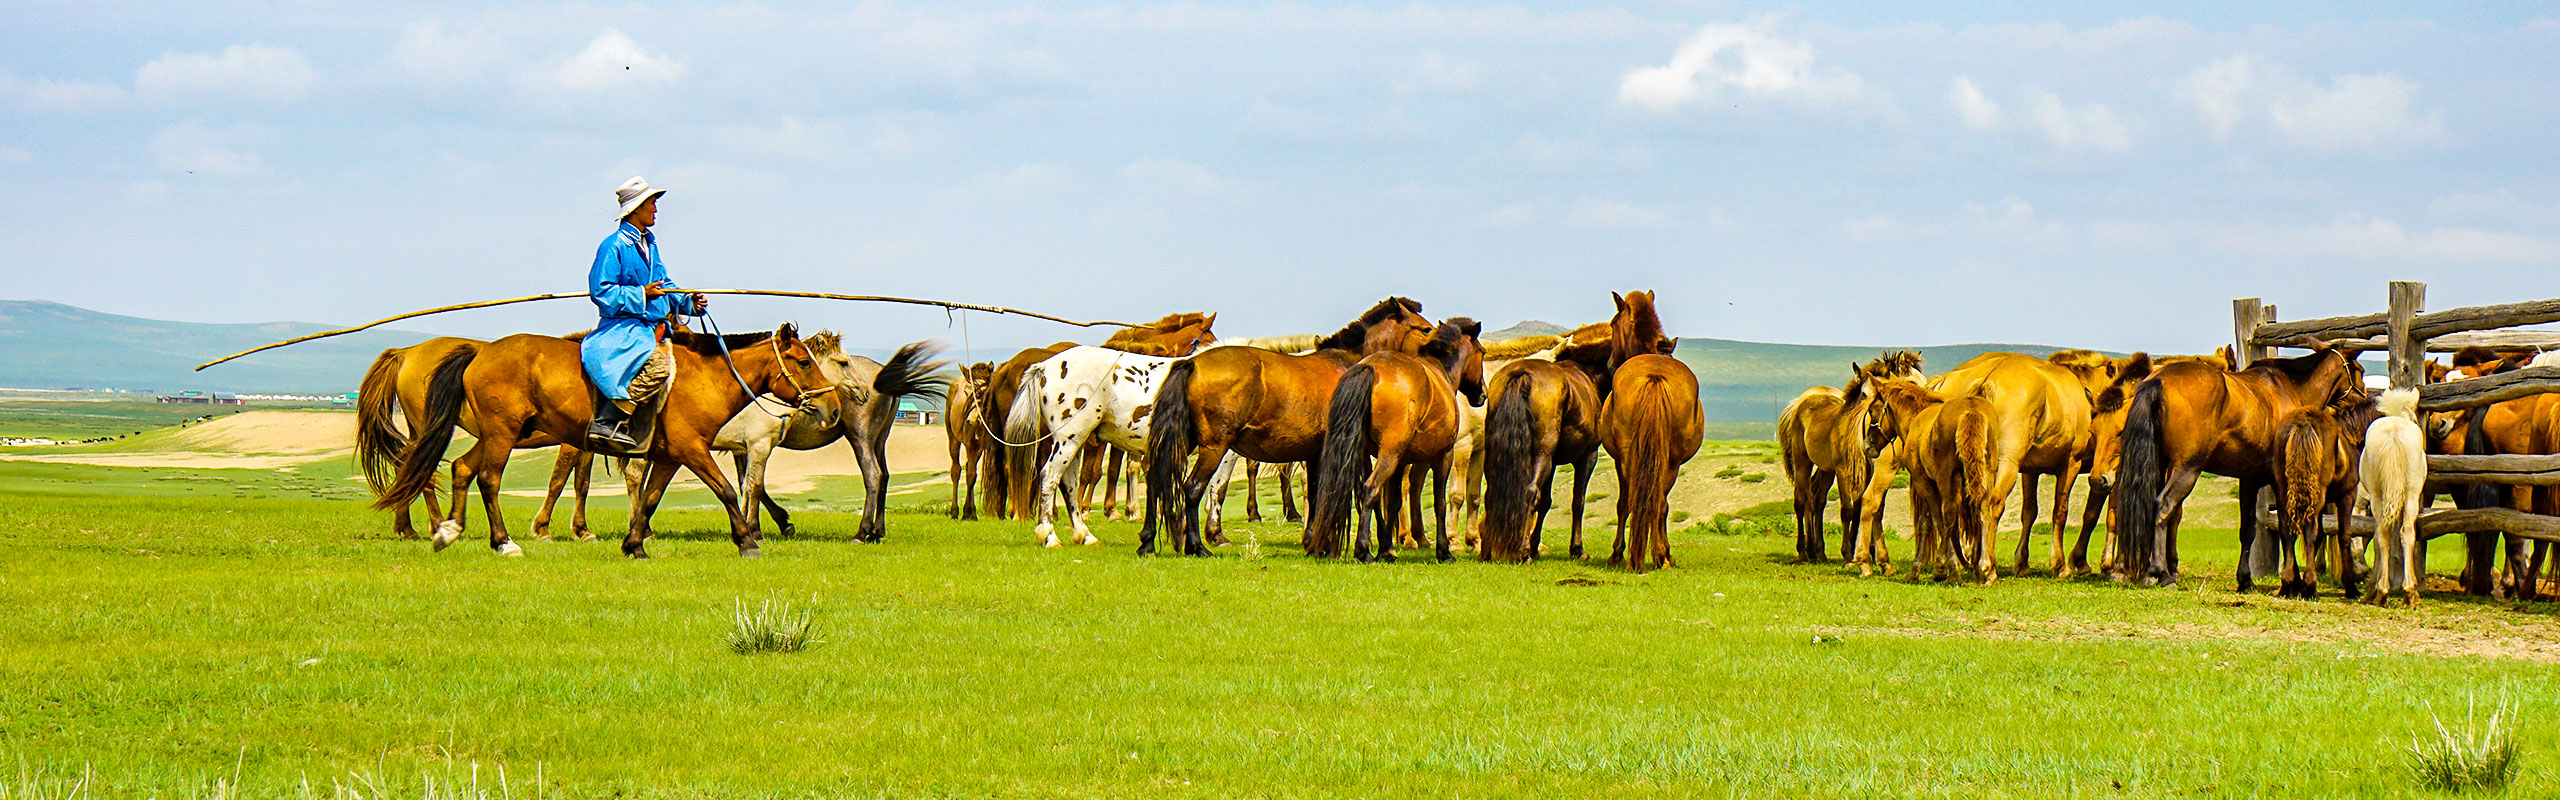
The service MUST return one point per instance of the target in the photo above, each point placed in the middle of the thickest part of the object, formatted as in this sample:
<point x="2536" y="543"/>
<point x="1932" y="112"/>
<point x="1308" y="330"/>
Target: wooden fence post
<point x="2246" y="315"/>
<point x="2408" y="351"/>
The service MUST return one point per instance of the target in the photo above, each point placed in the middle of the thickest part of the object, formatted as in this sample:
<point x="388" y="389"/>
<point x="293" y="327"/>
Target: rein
<point x="754" y="398"/>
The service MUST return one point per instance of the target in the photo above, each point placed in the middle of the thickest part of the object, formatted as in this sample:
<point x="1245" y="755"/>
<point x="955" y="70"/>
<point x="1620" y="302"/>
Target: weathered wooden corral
<point x="2408" y="334"/>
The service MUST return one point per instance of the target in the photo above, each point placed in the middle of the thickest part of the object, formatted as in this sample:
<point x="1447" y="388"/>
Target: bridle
<point x="805" y="395"/>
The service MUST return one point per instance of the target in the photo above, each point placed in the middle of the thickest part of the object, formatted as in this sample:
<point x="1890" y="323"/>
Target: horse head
<point x="1453" y="344"/>
<point x="1897" y="401"/>
<point x="1176" y="335"/>
<point x="2107" y="410"/>
<point x="1393" y="325"/>
<point x="795" y="368"/>
<point x="1636" y="329"/>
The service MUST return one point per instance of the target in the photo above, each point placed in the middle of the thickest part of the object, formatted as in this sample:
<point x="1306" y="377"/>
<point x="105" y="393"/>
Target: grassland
<point x="182" y="633"/>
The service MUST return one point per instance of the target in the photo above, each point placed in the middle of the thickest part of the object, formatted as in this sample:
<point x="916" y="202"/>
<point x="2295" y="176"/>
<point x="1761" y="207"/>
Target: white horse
<point x="1084" y="392"/>
<point x="860" y="411"/>
<point x="2394" y="475"/>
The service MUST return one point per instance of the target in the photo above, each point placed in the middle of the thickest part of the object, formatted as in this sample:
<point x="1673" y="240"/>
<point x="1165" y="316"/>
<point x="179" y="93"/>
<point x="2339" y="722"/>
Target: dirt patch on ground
<point x="247" y="440"/>
<point x="170" y="460"/>
<point x="2448" y="628"/>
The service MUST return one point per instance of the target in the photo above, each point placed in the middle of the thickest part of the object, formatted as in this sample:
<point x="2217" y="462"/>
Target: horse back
<point x="1270" y="406"/>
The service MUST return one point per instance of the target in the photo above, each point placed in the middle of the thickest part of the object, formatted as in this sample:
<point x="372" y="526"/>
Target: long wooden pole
<point x="863" y="298"/>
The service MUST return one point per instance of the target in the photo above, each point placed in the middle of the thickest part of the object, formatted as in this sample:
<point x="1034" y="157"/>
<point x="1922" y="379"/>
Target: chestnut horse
<point x="526" y="385"/>
<point x="2192" y="418"/>
<point x="1540" y="414"/>
<point x="960" y="436"/>
<point x="1401" y="409"/>
<point x="1951" y="445"/>
<point x="397" y="383"/>
<point x="1651" y="425"/>
<point x="1822" y="439"/>
<point x="1265" y="405"/>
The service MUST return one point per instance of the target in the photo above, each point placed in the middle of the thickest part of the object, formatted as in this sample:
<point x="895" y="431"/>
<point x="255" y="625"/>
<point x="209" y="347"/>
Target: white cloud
<point x="1978" y="112"/>
<point x="1538" y="150"/>
<point x="1614" y="215"/>
<point x="2348" y="237"/>
<point x="2083" y="128"/>
<point x="195" y="148"/>
<point x="2355" y="113"/>
<point x="252" y="72"/>
<point x="2362" y="113"/>
<point x="1749" y="59"/>
<point x="45" y="94"/>
<point x="1173" y="177"/>
<point x="429" y="54"/>
<point x="613" y="60"/>
<point x="1434" y="74"/>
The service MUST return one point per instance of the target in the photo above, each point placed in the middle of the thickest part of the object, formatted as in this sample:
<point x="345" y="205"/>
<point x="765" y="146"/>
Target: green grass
<point x="167" y="635"/>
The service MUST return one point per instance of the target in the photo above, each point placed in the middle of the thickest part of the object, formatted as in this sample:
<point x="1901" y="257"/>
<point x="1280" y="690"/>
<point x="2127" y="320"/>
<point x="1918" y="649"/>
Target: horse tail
<point x="1510" y="431"/>
<point x="2306" y="463"/>
<point x="1648" y="470"/>
<point x="1973" y="457"/>
<point x="2140" y="472"/>
<point x="1170" y="438"/>
<point x="430" y="436"/>
<point x="1343" y="463"/>
<point x="1022" y="428"/>
<point x="911" y="373"/>
<point x="378" y="442"/>
<point x="2475" y="442"/>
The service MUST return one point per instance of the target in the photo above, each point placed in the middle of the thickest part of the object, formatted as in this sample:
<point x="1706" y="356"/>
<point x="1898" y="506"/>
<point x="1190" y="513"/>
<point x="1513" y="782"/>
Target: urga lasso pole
<point x="859" y="298"/>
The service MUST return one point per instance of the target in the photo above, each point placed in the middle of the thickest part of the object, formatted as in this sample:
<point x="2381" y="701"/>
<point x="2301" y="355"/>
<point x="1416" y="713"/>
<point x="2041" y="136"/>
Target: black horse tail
<point x="430" y="436"/>
<point x="1510" y="463"/>
<point x="378" y="442"/>
<point x="1170" y="438"/>
<point x="1343" y="464"/>
<point x="911" y="372"/>
<point x="2139" y="477"/>
<point x="2475" y="442"/>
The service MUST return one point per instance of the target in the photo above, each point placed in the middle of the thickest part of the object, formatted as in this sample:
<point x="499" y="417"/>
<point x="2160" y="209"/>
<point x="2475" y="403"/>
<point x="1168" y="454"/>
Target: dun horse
<point x="1267" y="406"/>
<point x="1402" y="410"/>
<point x="860" y="411"/>
<point x="526" y="385"/>
<point x="1951" y="445"/>
<point x="1651" y="424"/>
<point x="1822" y="439"/>
<point x="2193" y="418"/>
<point x="960" y="432"/>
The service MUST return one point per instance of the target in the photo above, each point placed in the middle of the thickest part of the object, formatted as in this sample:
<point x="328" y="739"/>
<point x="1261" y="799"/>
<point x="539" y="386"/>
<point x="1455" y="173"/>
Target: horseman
<point x="627" y="356"/>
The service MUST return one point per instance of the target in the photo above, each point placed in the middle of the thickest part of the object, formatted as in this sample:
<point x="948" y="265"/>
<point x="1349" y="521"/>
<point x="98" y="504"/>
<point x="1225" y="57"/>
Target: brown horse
<point x="525" y="385"/>
<point x="1402" y="410"/>
<point x="397" y="383"/>
<point x="1822" y="439"/>
<point x="1266" y="405"/>
<point x="1651" y="425"/>
<point x="2189" y="419"/>
<point x="961" y="437"/>
<point x="2316" y="469"/>
<point x="1540" y="414"/>
<point x="2524" y="426"/>
<point x="1950" y="444"/>
<point x="1467" y="458"/>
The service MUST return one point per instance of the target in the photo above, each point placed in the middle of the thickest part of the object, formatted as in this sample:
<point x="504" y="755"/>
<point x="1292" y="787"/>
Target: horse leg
<point x="491" y="453"/>
<point x="965" y="501"/>
<point x="2247" y="575"/>
<point x="2026" y="519"/>
<point x="1111" y="483"/>
<point x="644" y="504"/>
<point x="1054" y="485"/>
<point x="1545" y="468"/>
<point x="1217" y="511"/>
<point x="561" y="468"/>
<point x="584" y="479"/>
<point x="1253" y="491"/>
<point x="2062" y="514"/>
<point x="760" y="456"/>
<point x="1813" y="544"/>
<point x="1207" y="464"/>
<point x="1582" y="471"/>
<point x="450" y="527"/>
<point x="742" y="530"/>
<point x="1618" y="548"/>
<point x="2097" y="505"/>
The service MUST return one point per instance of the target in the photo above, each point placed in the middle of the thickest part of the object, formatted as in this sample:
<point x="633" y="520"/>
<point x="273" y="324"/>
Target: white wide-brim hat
<point x="632" y="193"/>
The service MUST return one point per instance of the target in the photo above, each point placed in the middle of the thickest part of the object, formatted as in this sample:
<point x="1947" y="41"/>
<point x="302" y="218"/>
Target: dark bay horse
<point x="1266" y="405"/>
<point x="2191" y="418"/>
<point x="526" y="385"/>
<point x="1651" y="424"/>
<point x="1402" y="410"/>
<point x="397" y="384"/>
<point x="1539" y="414"/>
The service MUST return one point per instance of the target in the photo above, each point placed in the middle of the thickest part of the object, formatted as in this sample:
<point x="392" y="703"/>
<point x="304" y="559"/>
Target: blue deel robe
<point x="627" y="330"/>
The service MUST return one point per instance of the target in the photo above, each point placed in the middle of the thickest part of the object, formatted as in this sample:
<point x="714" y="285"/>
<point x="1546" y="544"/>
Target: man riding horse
<point x="626" y="356"/>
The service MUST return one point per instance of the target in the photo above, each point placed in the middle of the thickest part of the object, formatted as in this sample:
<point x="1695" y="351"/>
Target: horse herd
<point x="1372" y="411"/>
<point x="1393" y="400"/>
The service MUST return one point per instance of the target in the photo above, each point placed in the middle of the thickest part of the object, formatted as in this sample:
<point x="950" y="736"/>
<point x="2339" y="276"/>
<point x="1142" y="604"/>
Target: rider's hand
<point x="701" y="304"/>
<point x="654" y="291"/>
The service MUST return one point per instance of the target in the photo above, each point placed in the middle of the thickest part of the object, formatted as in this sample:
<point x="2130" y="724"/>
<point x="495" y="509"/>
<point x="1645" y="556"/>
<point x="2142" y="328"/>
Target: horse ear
<point x="1614" y="297"/>
<point x="2108" y="399"/>
<point x="1209" y="321"/>
<point x="1474" y="329"/>
<point x="788" y="332"/>
<point x="2135" y="369"/>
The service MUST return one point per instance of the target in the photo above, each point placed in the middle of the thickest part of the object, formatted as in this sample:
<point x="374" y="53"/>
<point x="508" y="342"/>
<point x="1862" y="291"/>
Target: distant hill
<point x="47" y="345"/>
<point x="53" y="346"/>
<point x="1526" y="327"/>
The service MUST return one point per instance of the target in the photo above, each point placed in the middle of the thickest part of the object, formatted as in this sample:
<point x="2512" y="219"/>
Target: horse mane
<point x="1643" y="331"/>
<point x="1443" y="347"/>
<point x="579" y="336"/>
<point x="1292" y="343"/>
<point x="2080" y="360"/>
<point x="1521" y="346"/>
<point x="1387" y="309"/>
<point x="824" y="343"/>
<point x="2402" y="403"/>
<point x="1171" y="322"/>
<point x="2297" y="368"/>
<point x="711" y="345"/>
<point x="1351" y="337"/>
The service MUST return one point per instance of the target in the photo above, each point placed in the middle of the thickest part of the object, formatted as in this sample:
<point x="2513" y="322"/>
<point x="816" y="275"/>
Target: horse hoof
<point x="637" y="554"/>
<point x="1051" y="543"/>
<point x="584" y="536"/>
<point x="510" y="550"/>
<point x="786" y="531"/>
<point x="446" y="533"/>
<point x="1089" y="541"/>
<point x="750" y="554"/>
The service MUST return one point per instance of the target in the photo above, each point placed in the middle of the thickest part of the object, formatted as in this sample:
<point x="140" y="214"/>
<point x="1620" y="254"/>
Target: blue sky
<point x="1822" y="173"/>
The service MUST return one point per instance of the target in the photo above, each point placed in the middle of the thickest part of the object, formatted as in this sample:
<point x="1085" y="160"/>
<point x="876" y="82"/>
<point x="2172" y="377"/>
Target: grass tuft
<point x="772" y="627"/>
<point x="2478" y="756"/>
